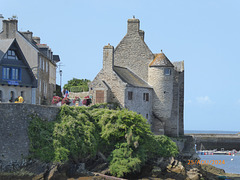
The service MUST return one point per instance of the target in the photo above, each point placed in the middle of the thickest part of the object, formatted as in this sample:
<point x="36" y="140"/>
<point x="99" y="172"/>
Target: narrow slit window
<point x="130" y="95"/>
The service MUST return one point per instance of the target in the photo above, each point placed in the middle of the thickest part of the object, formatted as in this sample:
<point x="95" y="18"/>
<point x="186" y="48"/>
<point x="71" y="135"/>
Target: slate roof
<point x="4" y="46"/>
<point x="130" y="78"/>
<point x="161" y="60"/>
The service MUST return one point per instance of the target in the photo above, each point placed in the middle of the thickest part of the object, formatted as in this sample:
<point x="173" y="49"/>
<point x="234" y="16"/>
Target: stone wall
<point x="132" y="52"/>
<point x="72" y="95"/>
<point x="137" y="103"/>
<point x="217" y="141"/>
<point x="14" y="140"/>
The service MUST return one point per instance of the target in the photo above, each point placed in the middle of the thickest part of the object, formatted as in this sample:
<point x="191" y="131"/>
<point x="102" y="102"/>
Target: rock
<point x="194" y="174"/>
<point x="178" y="168"/>
<point x="53" y="172"/>
<point x="39" y="177"/>
<point x="156" y="172"/>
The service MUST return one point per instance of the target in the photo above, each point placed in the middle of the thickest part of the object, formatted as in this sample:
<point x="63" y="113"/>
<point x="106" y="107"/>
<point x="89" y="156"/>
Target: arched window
<point x="0" y="96"/>
<point x="22" y="94"/>
<point x="11" y="98"/>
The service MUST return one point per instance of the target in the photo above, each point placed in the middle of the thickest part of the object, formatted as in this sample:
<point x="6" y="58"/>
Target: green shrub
<point x="41" y="140"/>
<point x="123" y="136"/>
<point x="80" y="84"/>
<point x="123" y="161"/>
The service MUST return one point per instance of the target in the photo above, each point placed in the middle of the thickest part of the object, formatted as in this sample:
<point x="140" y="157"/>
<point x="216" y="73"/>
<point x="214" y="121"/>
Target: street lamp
<point x="60" y="71"/>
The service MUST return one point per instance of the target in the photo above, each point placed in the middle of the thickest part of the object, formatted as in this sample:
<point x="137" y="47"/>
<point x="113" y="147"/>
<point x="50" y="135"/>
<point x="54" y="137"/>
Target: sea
<point x="231" y="164"/>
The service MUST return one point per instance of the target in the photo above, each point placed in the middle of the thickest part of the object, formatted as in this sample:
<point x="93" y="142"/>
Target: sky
<point x="203" y="33"/>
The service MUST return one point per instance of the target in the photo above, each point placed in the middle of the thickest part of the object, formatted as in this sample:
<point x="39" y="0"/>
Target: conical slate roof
<point x="161" y="60"/>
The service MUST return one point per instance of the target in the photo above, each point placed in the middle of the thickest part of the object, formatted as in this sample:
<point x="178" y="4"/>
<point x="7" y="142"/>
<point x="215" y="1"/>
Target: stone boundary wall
<point x="72" y="95"/>
<point x="217" y="141"/>
<point x="216" y="135"/>
<point x="14" y="141"/>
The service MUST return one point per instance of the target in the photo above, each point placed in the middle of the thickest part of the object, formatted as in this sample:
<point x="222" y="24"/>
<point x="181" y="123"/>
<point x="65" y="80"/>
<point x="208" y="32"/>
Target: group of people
<point x="17" y="100"/>
<point x="65" y="93"/>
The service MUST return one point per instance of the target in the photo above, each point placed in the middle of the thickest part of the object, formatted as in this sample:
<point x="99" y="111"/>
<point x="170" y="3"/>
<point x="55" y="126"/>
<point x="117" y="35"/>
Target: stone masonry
<point x="14" y="139"/>
<point x="149" y="84"/>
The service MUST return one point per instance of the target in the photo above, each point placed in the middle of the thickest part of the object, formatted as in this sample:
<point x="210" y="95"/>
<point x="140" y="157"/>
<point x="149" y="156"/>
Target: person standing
<point x="66" y="93"/>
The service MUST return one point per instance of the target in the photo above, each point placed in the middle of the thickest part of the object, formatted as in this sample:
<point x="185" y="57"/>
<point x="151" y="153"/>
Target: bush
<point x="66" y="100"/>
<point x="77" y="85"/>
<point x="123" y="136"/>
<point x="123" y="161"/>
<point x="41" y="139"/>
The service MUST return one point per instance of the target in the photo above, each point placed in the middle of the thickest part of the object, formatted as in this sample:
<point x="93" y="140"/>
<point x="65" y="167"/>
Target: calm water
<point x="230" y="166"/>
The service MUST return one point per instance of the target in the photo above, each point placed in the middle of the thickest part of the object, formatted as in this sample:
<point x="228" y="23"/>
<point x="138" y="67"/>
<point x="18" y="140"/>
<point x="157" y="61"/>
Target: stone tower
<point x="161" y="77"/>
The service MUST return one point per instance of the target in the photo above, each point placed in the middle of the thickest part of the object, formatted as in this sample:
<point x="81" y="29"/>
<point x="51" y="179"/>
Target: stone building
<point x="149" y="84"/>
<point x="39" y="57"/>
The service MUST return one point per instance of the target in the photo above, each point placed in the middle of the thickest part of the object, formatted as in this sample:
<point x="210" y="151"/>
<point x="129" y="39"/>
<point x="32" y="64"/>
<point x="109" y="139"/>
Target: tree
<point x="77" y="85"/>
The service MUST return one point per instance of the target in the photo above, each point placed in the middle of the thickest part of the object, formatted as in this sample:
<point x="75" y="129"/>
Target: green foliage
<point x="123" y="161"/>
<point x="74" y="137"/>
<point x="79" y="132"/>
<point x="161" y="146"/>
<point x="41" y="140"/>
<point x="77" y="85"/>
<point x="82" y="88"/>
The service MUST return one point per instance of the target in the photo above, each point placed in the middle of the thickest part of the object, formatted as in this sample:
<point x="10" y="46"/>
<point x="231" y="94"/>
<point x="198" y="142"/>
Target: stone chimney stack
<point x="133" y="25"/>
<point x="108" y="57"/>
<point x="141" y="33"/>
<point x="1" y="19"/>
<point x="28" y="34"/>
<point x="9" y="28"/>
<point x="36" y="39"/>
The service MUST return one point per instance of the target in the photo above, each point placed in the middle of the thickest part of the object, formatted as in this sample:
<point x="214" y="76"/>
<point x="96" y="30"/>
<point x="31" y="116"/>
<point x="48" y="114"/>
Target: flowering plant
<point x="86" y="101"/>
<point x="76" y="99"/>
<point x="66" y="100"/>
<point x="56" y="99"/>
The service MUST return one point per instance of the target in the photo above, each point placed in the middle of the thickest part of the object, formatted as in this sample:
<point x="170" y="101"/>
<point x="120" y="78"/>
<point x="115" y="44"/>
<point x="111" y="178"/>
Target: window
<point x="6" y="73"/>
<point x="43" y="64"/>
<point x="167" y="71"/>
<point x="22" y="94"/>
<point x="130" y="95"/>
<point x="11" y="54"/>
<point x="40" y="63"/>
<point x="0" y="96"/>
<point x="46" y="66"/>
<point x="11" y="73"/>
<point x="146" y="96"/>
<point x="15" y="74"/>
<point x="40" y="85"/>
<point x="11" y="98"/>
<point x="146" y="116"/>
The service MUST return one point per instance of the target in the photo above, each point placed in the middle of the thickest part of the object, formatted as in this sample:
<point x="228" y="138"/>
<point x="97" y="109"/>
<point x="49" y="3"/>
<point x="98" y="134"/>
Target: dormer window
<point x="11" y="54"/>
<point x="167" y="71"/>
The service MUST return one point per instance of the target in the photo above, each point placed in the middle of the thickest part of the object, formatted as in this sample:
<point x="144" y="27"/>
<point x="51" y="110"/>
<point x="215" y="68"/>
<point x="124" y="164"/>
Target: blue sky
<point x="205" y="34"/>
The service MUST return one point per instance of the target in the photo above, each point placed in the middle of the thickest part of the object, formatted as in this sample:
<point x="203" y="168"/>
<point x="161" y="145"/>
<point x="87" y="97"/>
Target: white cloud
<point x="204" y="100"/>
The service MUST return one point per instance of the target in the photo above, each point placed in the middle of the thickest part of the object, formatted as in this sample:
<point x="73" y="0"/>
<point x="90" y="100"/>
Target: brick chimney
<point x="108" y="57"/>
<point x="9" y="28"/>
<point x="133" y="25"/>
